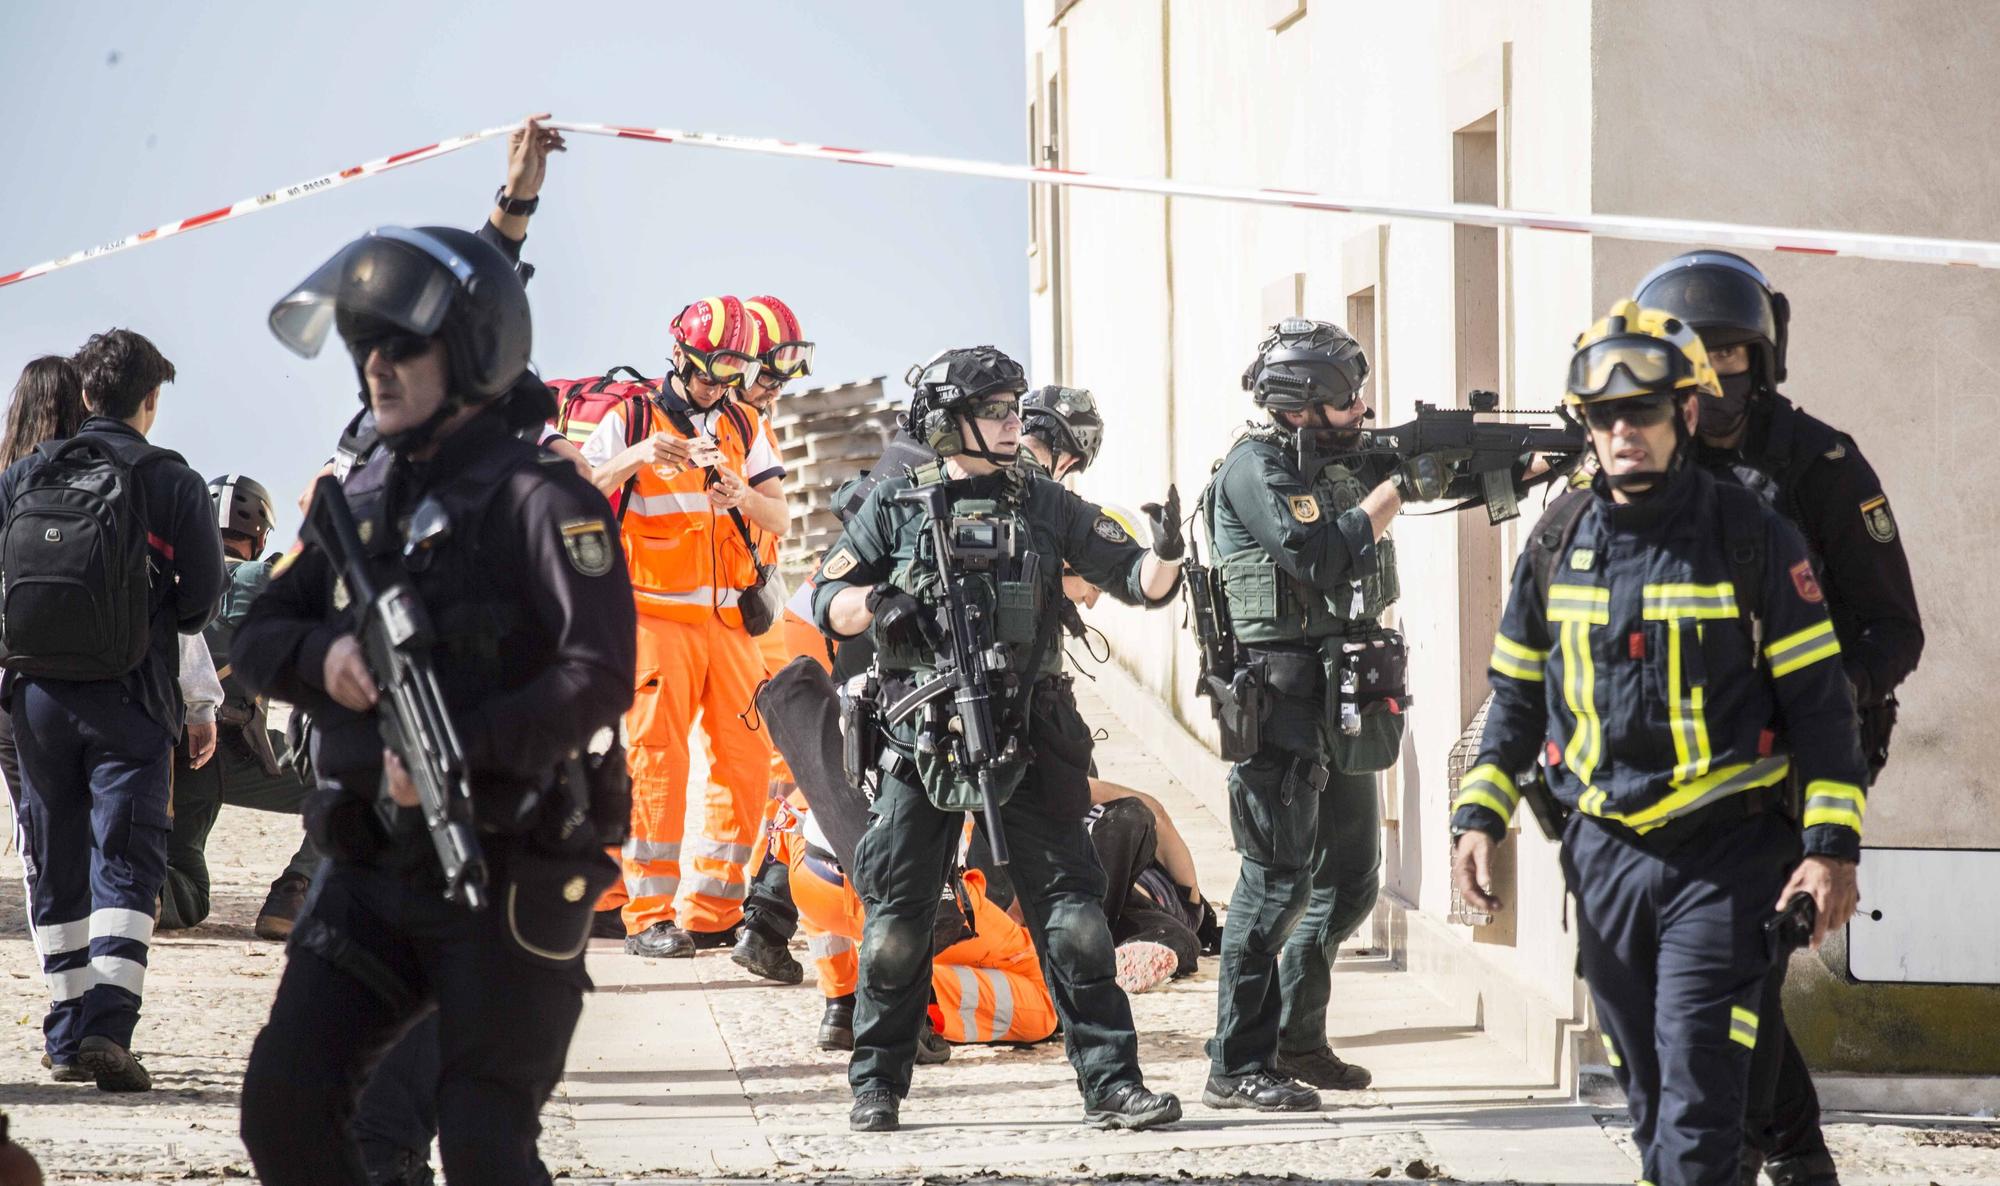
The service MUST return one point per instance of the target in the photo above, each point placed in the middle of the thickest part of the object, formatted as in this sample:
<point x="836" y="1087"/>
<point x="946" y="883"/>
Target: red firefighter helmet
<point x="786" y="354"/>
<point x="720" y="340"/>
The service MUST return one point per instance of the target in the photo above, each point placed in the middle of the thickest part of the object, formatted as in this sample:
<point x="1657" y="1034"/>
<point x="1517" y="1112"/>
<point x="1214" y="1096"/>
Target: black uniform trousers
<point x="1671" y="940"/>
<point x="901" y="863"/>
<point x="235" y="778"/>
<point x="373" y="953"/>
<point x="1310" y="874"/>
<point x="1126" y="837"/>
<point x="767" y="906"/>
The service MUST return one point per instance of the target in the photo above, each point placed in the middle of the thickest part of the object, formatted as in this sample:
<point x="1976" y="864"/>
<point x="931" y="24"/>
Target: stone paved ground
<point x="689" y="1070"/>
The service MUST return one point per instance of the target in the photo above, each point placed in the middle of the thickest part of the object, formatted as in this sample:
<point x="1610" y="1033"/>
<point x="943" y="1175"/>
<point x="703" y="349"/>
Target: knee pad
<point x="896" y="951"/>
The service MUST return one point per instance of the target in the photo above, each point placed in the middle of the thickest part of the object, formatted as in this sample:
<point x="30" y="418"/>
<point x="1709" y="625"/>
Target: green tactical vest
<point x="1013" y="606"/>
<point x="1269" y="605"/>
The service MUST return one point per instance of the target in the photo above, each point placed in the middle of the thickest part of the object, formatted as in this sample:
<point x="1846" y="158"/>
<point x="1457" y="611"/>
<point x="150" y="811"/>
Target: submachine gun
<point x="969" y="659"/>
<point x="1493" y="453"/>
<point x="396" y="641"/>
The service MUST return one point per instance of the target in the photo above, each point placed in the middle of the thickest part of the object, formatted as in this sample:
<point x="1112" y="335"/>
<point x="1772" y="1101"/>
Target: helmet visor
<point x="1625" y="366"/>
<point x="390" y="277"/>
<point x="1721" y="304"/>
<point x="789" y="360"/>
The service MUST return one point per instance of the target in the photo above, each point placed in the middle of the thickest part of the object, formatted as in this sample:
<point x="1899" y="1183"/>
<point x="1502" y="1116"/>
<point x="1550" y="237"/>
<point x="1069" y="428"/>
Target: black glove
<point x="900" y="619"/>
<point x="1168" y="542"/>
<point x="1424" y="477"/>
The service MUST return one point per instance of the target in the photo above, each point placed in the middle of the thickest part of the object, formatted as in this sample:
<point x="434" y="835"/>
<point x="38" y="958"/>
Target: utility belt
<point x="1359" y="680"/>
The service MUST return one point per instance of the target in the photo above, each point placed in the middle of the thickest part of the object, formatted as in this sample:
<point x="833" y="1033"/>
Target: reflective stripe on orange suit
<point x="989" y="988"/>
<point x="829" y="915"/>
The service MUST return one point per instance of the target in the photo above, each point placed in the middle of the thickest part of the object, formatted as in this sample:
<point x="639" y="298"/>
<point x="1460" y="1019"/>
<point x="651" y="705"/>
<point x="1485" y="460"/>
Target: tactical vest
<point x="247" y="580"/>
<point x="1268" y="605"/>
<point x="1013" y="605"/>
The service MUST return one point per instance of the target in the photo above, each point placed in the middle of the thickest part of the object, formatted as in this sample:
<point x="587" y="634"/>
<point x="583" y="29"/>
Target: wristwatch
<point x="518" y="207"/>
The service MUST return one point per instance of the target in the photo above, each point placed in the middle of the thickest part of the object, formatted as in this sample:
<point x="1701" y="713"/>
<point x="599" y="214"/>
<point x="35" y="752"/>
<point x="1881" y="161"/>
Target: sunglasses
<point x="395" y="346"/>
<point x="1640" y="411"/>
<point x="994" y="409"/>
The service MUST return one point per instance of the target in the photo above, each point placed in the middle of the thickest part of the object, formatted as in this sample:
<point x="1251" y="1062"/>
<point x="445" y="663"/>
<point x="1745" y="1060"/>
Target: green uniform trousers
<point x="1311" y="869"/>
<point x="901" y="863"/>
<point x="235" y="777"/>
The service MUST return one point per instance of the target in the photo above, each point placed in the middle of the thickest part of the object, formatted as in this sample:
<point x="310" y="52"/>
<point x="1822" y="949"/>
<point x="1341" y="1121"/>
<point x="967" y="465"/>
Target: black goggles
<point x="1640" y="411"/>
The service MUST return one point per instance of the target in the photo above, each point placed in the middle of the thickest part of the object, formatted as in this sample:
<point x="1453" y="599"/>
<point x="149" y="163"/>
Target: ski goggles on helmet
<point x="726" y="368"/>
<point x="1627" y="365"/>
<point x="1640" y="411"/>
<point x="788" y="360"/>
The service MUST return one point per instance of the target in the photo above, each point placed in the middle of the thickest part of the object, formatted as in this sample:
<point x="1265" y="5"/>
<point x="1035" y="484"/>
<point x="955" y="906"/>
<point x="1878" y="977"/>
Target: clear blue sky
<point x="205" y="104"/>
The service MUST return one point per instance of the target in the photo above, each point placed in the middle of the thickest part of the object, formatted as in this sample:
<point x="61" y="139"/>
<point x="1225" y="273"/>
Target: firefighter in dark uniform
<point x="516" y="559"/>
<point x="880" y="577"/>
<point x="1297" y="524"/>
<point x="1672" y="662"/>
<point x="1815" y="476"/>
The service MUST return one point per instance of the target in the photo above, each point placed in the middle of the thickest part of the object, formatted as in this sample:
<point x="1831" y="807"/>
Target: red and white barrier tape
<point x="290" y="193"/>
<point x="1893" y="248"/>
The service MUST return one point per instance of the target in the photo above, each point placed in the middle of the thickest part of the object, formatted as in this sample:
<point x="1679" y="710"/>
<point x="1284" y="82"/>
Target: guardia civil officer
<point x="1297" y="523"/>
<point x="1061" y="430"/>
<point x="1671" y="652"/>
<point x="1816" y="477"/>
<point x="515" y="557"/>
<point x="879" y="578"/>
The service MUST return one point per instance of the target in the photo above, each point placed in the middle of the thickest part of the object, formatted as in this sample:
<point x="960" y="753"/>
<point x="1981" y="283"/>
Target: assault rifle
<point x="1235" y="695"/>
<point x="1492" y="455"/>
<point x="396" y="641"/>
<point x="970" y="659"/>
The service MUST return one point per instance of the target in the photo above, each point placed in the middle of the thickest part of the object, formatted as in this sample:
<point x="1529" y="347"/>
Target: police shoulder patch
<point x="588" y="545"/>
<point x="839" y="565"/>
<point x="1880" y="523"/>
<point x="1305" y="508"/>
<point x="1107" y="528"/>
<point x="1806" y="583"/>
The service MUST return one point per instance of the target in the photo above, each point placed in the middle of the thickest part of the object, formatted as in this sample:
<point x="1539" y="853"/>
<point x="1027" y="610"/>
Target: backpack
<point x="75" y="580"/>
<point x="1744" y="540"/>
<point x="582" y="403"/>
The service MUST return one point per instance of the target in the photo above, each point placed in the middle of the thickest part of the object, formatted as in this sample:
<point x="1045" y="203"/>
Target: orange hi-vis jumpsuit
<point x="988" y="988"/>
<point x="689" y="565"/>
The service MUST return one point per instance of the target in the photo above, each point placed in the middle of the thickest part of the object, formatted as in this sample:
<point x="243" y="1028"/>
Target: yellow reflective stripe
<point x="1611" y="1052"/>
<point x="1579" y="603"/>
<point x="1802" y="648"/>
<point x="1489" y="787"/>
<point x="1701" y="602"/>
<point x="1717" y="784"/>
<point x="1591" y="802"/>
<point x="1829" y="802"/>
<point x="1677" y="722"/>
<point x="1742" y="1026"/>
<point x="1586" y="745"/>
<point x="1512" y="659"/>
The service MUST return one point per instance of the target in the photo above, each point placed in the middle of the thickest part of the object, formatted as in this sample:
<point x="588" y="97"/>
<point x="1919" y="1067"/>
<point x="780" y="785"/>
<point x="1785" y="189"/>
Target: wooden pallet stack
<point x="826" y="435"/>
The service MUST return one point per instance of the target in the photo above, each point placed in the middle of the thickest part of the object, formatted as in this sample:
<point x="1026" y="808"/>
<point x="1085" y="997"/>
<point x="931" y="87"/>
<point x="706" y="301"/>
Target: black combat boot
<point x="875" y="1110"/>
<point x="281" y="906"/>
<point x="765" y="955"/>
<point x="710" y="940"/>
<point x="1131" y="1106"/>
<point x="1259" y="1090"/>
<point x="1323" y="1069"/>
<point x="932" y="1049"/>
<point x="114" y="1067"/>
<point x="836" y="1025"/>
<point x="662" y="940"/>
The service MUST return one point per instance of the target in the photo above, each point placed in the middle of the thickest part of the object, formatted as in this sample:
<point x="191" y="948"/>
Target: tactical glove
<point x="1168" y="542"/>
<point x="900" y="619"/>
<point x="1424" y="477"/>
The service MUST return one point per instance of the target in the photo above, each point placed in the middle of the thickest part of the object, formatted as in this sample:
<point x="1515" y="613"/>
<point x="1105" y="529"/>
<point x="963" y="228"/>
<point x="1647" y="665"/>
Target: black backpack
<point x="75" y="590"/>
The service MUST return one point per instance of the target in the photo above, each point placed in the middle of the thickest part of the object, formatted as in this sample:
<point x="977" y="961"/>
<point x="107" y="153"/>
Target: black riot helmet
<point x="1066" y="419"/>
<point x="1305" y="362"/>
<point x="425" y="282"/>
<point x="1727" y="301"/>
<point x="958" y="382"/>
<point x="243" y="506"/>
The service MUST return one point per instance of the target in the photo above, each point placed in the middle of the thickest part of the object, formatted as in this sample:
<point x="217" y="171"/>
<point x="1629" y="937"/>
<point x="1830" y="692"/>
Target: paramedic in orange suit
<point x="703" y="455"/>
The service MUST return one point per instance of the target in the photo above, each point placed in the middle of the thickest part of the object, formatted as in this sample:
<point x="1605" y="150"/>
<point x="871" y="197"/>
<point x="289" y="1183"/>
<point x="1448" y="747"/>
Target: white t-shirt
<point x="607" y="441"/>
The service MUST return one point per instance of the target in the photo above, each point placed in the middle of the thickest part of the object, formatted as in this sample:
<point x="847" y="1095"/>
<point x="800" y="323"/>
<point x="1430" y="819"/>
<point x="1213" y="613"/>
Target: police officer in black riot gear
<point x="1297" y="522"/>
<point x="1005" y="533"/>
<point x="515" y="558"/>
<point x="1815" y="476"/>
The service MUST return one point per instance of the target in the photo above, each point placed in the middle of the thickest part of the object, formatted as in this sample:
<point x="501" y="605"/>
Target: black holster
<point x="1239" y="712"/>
<point x="860" y="729"/>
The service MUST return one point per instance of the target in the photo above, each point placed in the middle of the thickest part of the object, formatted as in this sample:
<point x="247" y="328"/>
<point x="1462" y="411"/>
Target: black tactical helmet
<point x="430" y="282"/>
<point x="1727" y="301"/>
<point x="949" y="384"/>
<point x="1303" y="363"/>
<point x="1066" y="418"/>
<point x="242" y="505"/>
